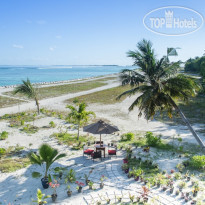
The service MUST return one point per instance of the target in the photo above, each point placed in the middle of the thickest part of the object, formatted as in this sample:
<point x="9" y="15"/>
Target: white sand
<point x="117" y="114"/>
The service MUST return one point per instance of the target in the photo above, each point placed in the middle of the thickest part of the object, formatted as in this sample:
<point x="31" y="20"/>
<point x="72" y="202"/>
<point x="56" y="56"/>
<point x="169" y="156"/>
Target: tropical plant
<point x="79" y="115"/>
<point x="79" y="185"/>
<point x="152" y="140"/>
<point x="177" y="175"/>
<point x="59" y="171"/>
<point x="103" y="178"/>
<point x="128" y="136"/>
<point x="52" y="124"/>
<point x="182" y="184"/>
<point x="41" y="198"/>
<point x="54" y="185"/>
<point x="159" y="84"/>
<point x="47" y="155"/>
<point x="28" y="90"/>
<point x="197" y="162"/>
<point x="4" y="135"/>
<point x="180" y="167"/>
<point x="132" y="197"/>
<point x="137" y="172"/>
<point x="145" y="191"/>
<point x="90" y="184"/>
<point x="2" y="151"/>
<point x="70" y="176"/>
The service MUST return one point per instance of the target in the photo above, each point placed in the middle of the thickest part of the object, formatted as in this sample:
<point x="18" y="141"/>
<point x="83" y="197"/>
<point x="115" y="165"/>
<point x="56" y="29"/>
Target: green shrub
<point x="4" y="135"/>
<point x="23" y="113"/>
<point x="197" y="162"/>
<point x="70" y="176"/>
<point x="60" y="116"/>
<point x="128" y="136"/>
<point x="52" y="124"/>
<point x="152" y="140"/>
<point x="42" y="110"/>
<point x="72" y="140"/>
<point x="2" y="151"/>
<point x="26" y="127"/>
<point x="30" y="129"/>
<point x="22" y="122"/>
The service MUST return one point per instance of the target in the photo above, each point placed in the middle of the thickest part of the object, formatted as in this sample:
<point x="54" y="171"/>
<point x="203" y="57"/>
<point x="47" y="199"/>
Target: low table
<point x="101" y="148"/>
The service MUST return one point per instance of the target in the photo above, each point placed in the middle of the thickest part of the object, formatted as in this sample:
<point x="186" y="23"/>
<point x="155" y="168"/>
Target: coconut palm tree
<point x="46" y="155"/>
<point x="158" y="84"/>
<point x="79" y="115"/>
<point x="27" y="89"/>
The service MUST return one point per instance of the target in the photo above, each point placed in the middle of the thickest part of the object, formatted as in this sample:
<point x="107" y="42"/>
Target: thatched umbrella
<point x="100" y="127"/>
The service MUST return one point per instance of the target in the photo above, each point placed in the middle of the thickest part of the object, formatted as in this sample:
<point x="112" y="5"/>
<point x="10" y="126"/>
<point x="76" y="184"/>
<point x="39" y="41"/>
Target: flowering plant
<point x="80" y="184"/>
<point x="102" y="178"/>
<point x="87" y="176"/>
<point x="195" y="189"/>
<point x="54" y="185"/>
<point x="145" y="191"/>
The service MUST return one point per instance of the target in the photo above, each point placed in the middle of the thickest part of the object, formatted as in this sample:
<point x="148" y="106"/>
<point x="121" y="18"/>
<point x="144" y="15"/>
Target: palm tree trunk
<point x="78" y="131"/>
<point x="198" y="139"/>
<point x="37" y="104"/>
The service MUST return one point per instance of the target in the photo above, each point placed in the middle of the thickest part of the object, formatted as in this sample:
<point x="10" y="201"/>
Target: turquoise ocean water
<point x="12" y="75"/>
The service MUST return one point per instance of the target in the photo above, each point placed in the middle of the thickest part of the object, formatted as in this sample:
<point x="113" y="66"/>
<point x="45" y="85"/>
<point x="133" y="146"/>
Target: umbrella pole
<point x="100" y="139"/>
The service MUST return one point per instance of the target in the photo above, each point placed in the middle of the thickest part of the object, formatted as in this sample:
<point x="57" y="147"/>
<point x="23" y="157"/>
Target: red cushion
<point x="88" y="151"/>
<point x="112" y="152"/>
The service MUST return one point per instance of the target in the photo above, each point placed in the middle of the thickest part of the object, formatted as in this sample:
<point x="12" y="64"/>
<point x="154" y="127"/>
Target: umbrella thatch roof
<point x="100" y="127"/>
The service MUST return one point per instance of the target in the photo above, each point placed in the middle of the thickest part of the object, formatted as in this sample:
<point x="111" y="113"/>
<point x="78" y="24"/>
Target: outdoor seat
<point x="96" y="155"/>
<point x="112" y="152"/>
<point x="87" y="151"/>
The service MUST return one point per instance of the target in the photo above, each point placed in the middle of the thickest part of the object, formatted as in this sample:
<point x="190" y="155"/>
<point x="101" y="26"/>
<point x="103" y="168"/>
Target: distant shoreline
<point x="41" y="75"/>
<point x="63" y="81"/>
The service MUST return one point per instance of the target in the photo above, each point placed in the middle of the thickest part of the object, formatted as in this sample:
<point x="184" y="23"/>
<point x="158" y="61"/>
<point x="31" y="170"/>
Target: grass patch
<point x="149" y="169"/>
<point x="11" y="151"/>
<point x="71" y="140"/>
<point x="55" y="91"/>
<point x="10" y="159"/>
<point x="173" y="144"/>
<point x="103" y="97"/>
<point x="194" y="110"/>
<point x="7" y="102"/>
<point x="30" y="129"/>
<point x="13" y="164"/>
<point x="58" y="90"/>
<point x="19" y="119"/>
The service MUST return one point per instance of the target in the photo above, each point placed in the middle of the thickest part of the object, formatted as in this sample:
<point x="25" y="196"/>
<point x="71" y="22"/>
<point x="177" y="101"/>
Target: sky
<point x="86" y="32"/>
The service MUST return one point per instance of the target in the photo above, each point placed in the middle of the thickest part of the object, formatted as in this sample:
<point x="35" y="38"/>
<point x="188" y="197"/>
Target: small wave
<point x="54" y="68"/>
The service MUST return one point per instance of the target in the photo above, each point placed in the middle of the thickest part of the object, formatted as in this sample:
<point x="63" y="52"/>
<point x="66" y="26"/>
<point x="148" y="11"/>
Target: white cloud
<point x="17" y="46"/>
<point x="52" y="48"/>
<point x="58" y="36"/>
<point x="41" y="22"/>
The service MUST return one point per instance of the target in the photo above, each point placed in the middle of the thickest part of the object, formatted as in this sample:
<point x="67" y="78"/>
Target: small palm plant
<point x="158" y="85"/>
<point x="79" y="115"/>
<point x="47" y="155"/>
<point x="28" y="90"/>
<point x="41" y="198"/>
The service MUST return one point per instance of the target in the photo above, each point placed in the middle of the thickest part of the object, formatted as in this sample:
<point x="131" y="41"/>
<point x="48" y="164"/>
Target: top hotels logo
<point x="173" y="21"/>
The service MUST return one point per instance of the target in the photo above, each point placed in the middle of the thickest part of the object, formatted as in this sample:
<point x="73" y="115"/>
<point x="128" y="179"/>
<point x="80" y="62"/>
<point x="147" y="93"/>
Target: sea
<point x="13" y="75"/>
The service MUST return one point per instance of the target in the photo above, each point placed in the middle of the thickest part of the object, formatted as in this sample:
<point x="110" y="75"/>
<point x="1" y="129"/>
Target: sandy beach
<point x="23" y="186"/>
